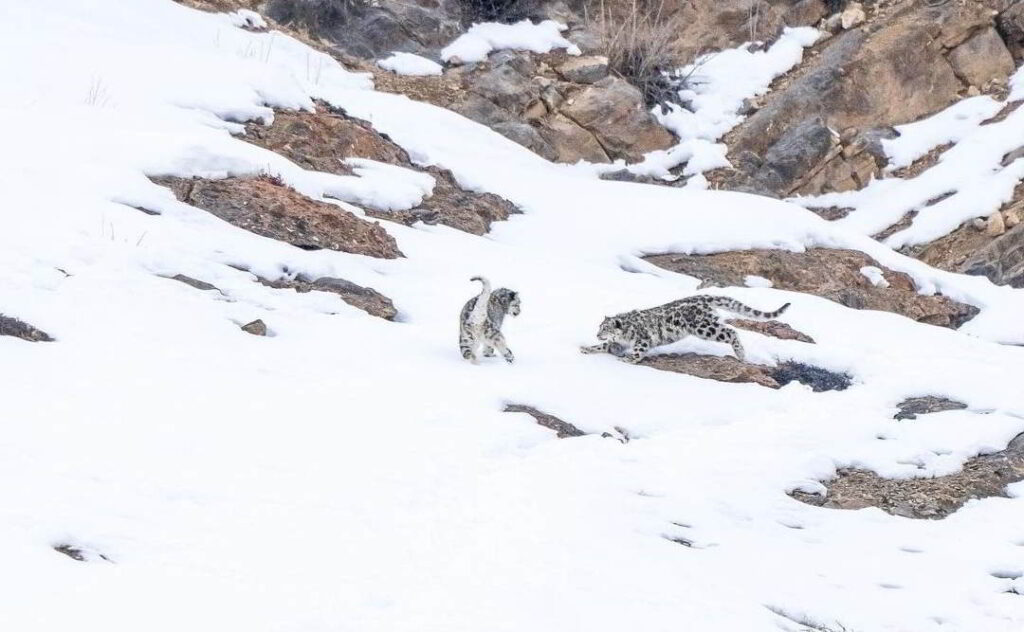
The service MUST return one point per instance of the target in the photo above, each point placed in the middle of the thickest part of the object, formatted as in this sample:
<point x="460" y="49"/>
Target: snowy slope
<point x="349" y="473"/>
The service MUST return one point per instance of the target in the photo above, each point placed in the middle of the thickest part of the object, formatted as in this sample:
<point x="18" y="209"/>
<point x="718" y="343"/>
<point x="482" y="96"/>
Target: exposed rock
<point x="528" y="136"/>
<point x="911" y="407"/>
<point x="729" y="369"/>
<point x="772" y="328"/>
<point x="365" y="298"/>
<point x="506" y="86"/>
<point x="1002" y="260"/>
<point x="721" y="368"/>
<point x="196" y="283"/>
<point x="830" y="273"/>
<point x="982" y="58"/>
<point x="584" y="69"/>
<point x="268" y="208"/>
<point x="322" y="140"/>
<point x="19" y="329"/>
<point x="853" y="15"/>
<point x="256" y="328"/>
<point x="563" y="429"/>
<point x="804" y="13"/>
<point x="995" y="225"/>
<point x="613" y="111"/>
<point x="571" y="142"/>
<point x="934" y="498"/>
<point x="889" y="72"/>
<point x="1011" y="26"/>
<point x="372" y="30"/>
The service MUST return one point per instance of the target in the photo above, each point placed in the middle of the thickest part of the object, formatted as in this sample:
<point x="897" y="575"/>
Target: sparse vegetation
<point x="505" y="11"/>
<point x="641" y="41"/>
<point x="316" y="16"/>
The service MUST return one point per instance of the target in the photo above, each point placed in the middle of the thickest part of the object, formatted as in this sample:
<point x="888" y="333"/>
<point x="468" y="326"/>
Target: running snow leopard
<point x="639" y="331"/>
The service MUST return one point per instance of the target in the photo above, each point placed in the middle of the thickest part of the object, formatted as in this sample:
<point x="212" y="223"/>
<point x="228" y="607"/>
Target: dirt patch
<point x="563" y="429"/>
<point x="365" y="298"/>
<point x="19" y="329"/>
<point x="324" y="139"/>
<point x="830" y="273"/>
<point x="911" y="407"/>
<point x="922" y="164"/>
<point x="266" y="207"/>
<point x="932" y="498"/>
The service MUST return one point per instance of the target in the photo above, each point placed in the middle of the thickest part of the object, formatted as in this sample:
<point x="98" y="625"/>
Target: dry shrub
<point x="504" y="11"/>
<point x="641" y="40"/>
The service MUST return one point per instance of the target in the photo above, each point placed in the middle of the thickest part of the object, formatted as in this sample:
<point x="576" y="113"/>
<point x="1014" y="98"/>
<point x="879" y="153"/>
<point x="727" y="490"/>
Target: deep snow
<point x="349" y="473"/>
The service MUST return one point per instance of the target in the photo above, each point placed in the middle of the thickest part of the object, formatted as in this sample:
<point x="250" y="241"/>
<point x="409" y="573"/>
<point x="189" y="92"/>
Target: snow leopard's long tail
<point x="479" y="313"/>
<point x="736" y="307"/>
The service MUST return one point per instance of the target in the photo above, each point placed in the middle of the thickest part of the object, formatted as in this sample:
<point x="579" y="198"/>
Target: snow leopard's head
<point x="611" y="328"/>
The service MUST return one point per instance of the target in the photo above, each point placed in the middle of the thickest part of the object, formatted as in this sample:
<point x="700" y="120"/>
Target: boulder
<point x="256" y="328"/>
<point x="1002" y="260"/>
<point x="19" y="329"/>
<point x="570" y="142"/>
<point x="613" y="111"/>
<point x="982" y="58"/>
<point x="365" y="298"/>
<point x="584" y="70"/>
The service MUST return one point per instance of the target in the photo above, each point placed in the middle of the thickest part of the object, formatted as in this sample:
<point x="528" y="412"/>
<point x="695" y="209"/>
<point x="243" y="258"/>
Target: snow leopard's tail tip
<point x="780" y="311"/>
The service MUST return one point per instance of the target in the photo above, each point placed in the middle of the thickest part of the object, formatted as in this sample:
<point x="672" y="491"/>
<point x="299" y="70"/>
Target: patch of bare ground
<point x="10" y="326"/>
<point x="266" y="207"/>
<point x="324" y="139"/>
<point x="904" y="222"/>
<point x="829" y="273"/>
<point x="831" y="213"/>
<point x="192" y="282"/>
<point x="1007" y="110"/>
<point x="932" y="498"/>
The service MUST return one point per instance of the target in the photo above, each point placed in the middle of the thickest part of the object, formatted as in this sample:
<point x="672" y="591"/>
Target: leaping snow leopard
<point x="481" y="319"/>
<point x="639" y="331"/>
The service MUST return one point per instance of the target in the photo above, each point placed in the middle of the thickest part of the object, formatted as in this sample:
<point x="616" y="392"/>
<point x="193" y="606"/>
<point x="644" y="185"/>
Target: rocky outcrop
<point x="934" y="498"/>
<point x="19" y="329"/>
<point x="324" y="139"/>
<point x="817" y="131"/>
<point x="829" y="273"/>
<point x="1001" y="260"/>
<point x="561" y="107"/>
<point x="266" y="207"/>
<point x="365" y="298"/>
<point x="772" y="328"/>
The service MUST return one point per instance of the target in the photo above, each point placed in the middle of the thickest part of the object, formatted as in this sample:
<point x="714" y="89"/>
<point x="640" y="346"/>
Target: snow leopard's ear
<point x="617" y="323"/>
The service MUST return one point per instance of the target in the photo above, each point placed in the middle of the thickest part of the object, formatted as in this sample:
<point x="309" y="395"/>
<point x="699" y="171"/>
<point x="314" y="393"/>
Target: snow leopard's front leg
<point x="639" y="350"/>
<point x="599" y="348"/>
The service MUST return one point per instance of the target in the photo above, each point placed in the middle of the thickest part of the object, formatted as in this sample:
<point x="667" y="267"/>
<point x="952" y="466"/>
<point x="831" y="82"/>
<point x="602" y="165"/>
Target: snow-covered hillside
<point x="347" y="473"/>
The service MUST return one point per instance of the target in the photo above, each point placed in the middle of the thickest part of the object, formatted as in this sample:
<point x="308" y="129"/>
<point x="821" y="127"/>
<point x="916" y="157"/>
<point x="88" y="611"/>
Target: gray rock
<point x="585" y="70"/>
<point x="982" y="58"/>
<point x="19" y="329"/>
<point x="505" y="86"/>
<point x="256" y="328"/>
<point x="528" y="137"/>
<point x="1002" y="261"/>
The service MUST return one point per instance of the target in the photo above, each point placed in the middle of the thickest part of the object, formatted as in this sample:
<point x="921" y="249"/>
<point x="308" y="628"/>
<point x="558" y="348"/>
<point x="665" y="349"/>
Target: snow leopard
<point x="481" y="319"/>
<point x="639" y="331"/>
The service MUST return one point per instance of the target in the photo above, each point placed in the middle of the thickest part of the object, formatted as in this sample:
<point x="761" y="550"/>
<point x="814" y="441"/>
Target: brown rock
<point x="832" y="274"/>
<point x="613" y="111"/>
<point x="571" y="142"/>
<point x="982" y="58"/>
<point x="772" y="328"/>
<point x="721" y="368"/>
<point x="584" y="69"/>
<point x="365" y="298"/>
<point x="19" y="329"/>
<point x="911" y="407"/>
<point x="256" y="328"/>
<point x="322" y="140"/>
<point x="933" y="498"/>
<point x="804" y="13"/>
<point x="268" y="208"/>
<point x="563" y="429"/>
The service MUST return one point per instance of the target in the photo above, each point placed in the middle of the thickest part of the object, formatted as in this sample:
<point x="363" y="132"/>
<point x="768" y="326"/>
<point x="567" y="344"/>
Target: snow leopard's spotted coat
<point x="639" y="331"/>
<point x="481" y="319"/>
